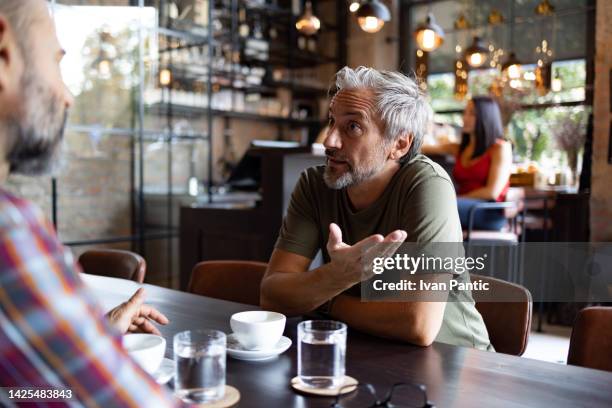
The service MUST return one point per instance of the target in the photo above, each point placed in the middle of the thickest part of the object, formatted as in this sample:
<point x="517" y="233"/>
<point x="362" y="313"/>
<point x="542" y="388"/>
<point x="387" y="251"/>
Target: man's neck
<point x="367" y="192"/>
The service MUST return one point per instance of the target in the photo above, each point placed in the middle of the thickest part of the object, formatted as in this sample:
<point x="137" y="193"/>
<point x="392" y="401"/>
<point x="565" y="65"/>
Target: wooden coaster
<point x="327" y="392"/>
<point x="231" y="398"/>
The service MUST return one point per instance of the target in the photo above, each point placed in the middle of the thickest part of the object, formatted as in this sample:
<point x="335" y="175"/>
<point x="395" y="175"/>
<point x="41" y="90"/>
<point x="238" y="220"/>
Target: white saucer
<point x="165" y="371"/>
<point x="236" y="350"/>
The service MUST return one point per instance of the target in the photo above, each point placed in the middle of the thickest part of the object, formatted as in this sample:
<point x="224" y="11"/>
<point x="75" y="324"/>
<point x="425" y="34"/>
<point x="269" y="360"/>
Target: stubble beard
<point x="34" y="140"/>
<point x="356" y="172"/>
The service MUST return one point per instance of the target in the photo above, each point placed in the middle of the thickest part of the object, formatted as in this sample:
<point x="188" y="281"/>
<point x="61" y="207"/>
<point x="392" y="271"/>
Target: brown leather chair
<point x="591" y="341"/>
<point x="506" y="311"/>
<point x="236" y="281"/>
<point x="115" y="263"/>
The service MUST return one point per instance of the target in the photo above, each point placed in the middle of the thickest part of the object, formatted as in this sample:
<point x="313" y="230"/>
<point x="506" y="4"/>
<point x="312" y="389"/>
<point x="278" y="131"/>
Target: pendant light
<point x="372" y="16"/>
<point x="308" y="23"/>
<point x="429" y="35"/>
<point x="461" y="23"/>
<point x="476" y="53"/>
<point x="495" y="17"/>
<point x="544" y="8"/>
<point x="512" y="67"/>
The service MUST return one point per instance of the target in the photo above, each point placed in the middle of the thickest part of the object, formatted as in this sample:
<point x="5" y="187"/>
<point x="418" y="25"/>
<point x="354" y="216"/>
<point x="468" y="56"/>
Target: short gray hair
<point x="20" y="16"/>
<point x="400" y="102"/>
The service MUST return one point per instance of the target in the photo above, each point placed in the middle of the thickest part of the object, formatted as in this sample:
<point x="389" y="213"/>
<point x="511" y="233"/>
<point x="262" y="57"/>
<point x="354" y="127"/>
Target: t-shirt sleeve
<point x="299" y="232"/>
<point x="432" y="215"/>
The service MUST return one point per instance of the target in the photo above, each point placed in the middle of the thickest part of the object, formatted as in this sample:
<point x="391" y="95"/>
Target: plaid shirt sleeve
<point x="53" y="333"/>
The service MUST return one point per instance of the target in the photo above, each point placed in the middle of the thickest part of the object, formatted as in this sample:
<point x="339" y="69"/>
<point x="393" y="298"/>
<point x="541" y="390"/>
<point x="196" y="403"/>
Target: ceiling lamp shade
<point x="512" y="66"/>
<point x="372" y="16"/>
<point x="308" y="23"/>
<point x="429" y="35"/>
<point x="476" y="53"/>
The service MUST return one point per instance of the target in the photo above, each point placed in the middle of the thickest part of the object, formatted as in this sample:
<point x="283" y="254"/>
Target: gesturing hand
<point x="135" y="317"/>
<point x="353" y="264"/>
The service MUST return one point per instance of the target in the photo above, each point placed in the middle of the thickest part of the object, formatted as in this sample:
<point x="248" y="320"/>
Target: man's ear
<point x="5" y="53"/>
<point x="10" y="62"/>
<point x="401" y="146"/>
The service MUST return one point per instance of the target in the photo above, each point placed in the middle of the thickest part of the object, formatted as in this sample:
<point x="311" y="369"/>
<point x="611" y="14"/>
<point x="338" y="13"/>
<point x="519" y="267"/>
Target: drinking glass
<point x="200" y="365"/>
<point x="321" y="353"/>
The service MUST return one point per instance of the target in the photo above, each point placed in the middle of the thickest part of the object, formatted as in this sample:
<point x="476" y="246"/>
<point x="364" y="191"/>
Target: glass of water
<point x="200" y="365"/>
<point x="321" y="353"/>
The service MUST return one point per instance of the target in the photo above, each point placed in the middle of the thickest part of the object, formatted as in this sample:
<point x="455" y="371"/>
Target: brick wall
<point x="601" y="193"/>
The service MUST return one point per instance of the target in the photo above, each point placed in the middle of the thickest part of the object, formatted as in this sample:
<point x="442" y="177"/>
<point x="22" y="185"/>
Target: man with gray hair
<point x="375" y="188"/>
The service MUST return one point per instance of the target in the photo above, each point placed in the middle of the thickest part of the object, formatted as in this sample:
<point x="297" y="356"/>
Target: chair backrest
<point x="115" y="263"/>
<point x="236" y="281"/>
<point x="508" y="320"/>
<point x="591" y="341"/>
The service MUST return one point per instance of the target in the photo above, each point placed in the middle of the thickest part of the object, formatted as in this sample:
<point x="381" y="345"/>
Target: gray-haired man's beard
<point x="35" y="141"/>
<point x="355" y="173"/>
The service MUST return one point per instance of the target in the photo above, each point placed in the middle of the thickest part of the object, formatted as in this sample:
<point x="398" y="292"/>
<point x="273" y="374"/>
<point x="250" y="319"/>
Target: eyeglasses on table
<point x="400" y="395"/>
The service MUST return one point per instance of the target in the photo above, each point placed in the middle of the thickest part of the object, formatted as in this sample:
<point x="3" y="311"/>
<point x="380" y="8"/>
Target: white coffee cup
<point x="258" y="329"/>
<point x="146" y="349"/>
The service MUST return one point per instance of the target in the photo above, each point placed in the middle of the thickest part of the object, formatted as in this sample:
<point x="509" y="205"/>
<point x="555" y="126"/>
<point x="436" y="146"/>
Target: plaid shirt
<point x="53" y="334"/>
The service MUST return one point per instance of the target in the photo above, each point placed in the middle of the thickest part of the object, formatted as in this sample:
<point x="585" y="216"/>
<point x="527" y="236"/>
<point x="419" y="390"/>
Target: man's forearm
<point x="295" y="293"/>
<point x="414" y="322"/>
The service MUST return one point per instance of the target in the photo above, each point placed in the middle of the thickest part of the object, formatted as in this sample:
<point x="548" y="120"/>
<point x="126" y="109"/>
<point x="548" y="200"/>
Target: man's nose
<point x="332" y="140"/>
<point x="68" y="98"/>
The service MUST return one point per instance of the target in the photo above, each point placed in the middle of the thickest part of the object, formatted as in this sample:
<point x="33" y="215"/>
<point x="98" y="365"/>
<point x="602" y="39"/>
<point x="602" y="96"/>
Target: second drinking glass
<point x="321" y="353"/>
<point x="200" y="357"/>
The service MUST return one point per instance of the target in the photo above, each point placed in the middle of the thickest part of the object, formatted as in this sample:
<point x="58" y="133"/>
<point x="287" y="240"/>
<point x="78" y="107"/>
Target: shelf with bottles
<point x="190" y="110"/>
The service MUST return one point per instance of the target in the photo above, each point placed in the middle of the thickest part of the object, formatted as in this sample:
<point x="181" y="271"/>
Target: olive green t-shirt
<point x="419" y="199"/>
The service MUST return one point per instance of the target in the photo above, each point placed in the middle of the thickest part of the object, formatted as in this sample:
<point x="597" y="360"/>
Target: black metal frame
<point x="139" y="135"/>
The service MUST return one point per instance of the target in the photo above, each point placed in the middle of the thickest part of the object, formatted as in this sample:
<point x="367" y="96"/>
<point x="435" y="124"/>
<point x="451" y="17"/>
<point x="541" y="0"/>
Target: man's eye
<point x="354" y="127"/>
<point x="330" y="121"/>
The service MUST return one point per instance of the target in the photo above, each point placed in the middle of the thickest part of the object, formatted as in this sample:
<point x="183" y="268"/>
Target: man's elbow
<point x="424" y="338"/>
<point x="425" y="331"/>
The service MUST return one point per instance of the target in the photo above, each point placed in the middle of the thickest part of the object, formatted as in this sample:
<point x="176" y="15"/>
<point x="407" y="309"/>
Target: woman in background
<point x="483" y="163"/>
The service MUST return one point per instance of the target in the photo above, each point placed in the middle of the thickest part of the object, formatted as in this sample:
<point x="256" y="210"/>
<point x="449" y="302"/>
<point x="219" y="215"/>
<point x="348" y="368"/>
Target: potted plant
<point x="569" y="134"/>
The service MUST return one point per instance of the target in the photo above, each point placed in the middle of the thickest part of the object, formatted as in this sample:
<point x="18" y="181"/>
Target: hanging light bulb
<point x="372" y="16"/>
<point x="544" y="8"/>
<point x="308" y="23"/>
<point x="512" y="67"/>
<point x="354" y="6"/>
<point x="165" y="77"/>
<point x="461" y="23"/>
<point x="429" y="35"/>
<point x="495" y="17"/>
<point x="476" y="53"/>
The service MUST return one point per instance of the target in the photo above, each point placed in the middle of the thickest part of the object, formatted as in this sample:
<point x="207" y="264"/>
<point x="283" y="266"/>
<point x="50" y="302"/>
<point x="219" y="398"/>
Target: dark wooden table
<point x="454" y="376"/>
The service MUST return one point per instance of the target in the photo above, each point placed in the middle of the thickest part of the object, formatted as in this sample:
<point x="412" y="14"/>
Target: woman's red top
<point x="474" y="176"/>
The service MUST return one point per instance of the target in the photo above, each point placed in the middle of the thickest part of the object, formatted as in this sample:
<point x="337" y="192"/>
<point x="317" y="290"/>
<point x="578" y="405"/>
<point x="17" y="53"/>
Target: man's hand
<point x="135" y="317"/>
<point x="352" y="264"/>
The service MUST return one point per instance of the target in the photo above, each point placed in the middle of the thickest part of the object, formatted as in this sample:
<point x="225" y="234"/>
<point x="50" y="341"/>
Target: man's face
<point x="34" y="122"/>
<point x="354" y="146"/>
